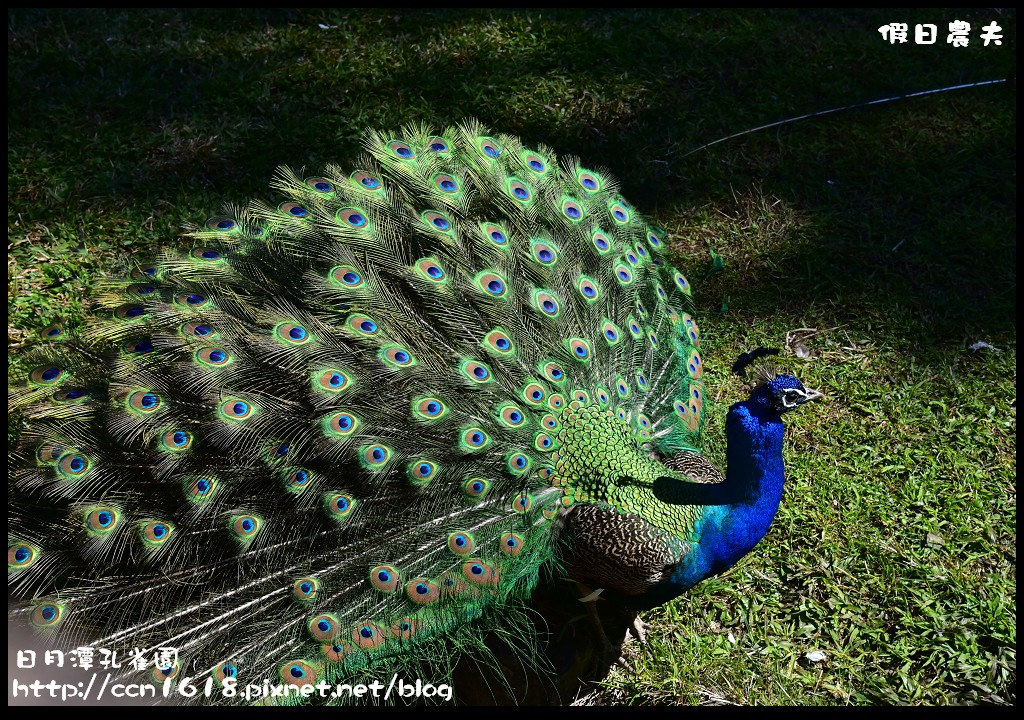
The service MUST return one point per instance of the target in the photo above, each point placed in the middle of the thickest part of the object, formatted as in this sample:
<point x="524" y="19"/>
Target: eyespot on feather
<point x="491" y="283"/>
<point x="225" y="671"/>
<point x="146" y="271"/>
<point x="305" y="589"/>
<point x="206" y="255"/>
<point x="368" y="636"/>
<point x="479" y="573"/>
<point x="622" y="387"/>
<point x="498" y="341"/>
<point x="131" y="312"/>
<point x="291" y="333"/>
<point x="588" y="289"/>
<point x="49" y="453"/>
<point x="354" y="218"/>
<point x="579" y="349"/>
<point x="73" y="465"/>
<point x="296" y="480"/>
<point x="375" y="456"/>
<point x="461" y="543"/>
<point x="476" y="488"/>
<point x="431" y="270"/>
<point x="331" y="380"/>
<point x="446" y="184"/>
<point x="201" y="488"/>
<point x="236" y="409"/>
<point x="319" y="185"/>
<point x="438" y="145"/>
<point x="550" y="422"/>
<point x="222" y="224"/>
<point x="323" y="627"/>
<point x="401" y="150"/>
<point x="158" y="675"/>
<point x="47" y="614"/>
<point x="244" y="527"/>
<point x="21" y="555"/>
<point x="522" y="503"/>
<point x="611" y="333"/>
<point x="572" y="210"/>
<point x="336" y="652"/>
<point x="54" y="331"/>
<point x="553" y="372"/>
<point x="70" y="395"/>
<point x="212" y="356"/>
<point x="623" y="274"/>
<point x="101" y="521"/>
<point x="154" y="533"/>
<point x="347" y="276"/>
<point x="428" y="408"/>
<point x="176" y="440"/>
<point x="544" y="252"/>
<point x="191" y="300"/>
<point x="511" y="415"/>
<point x="681" y="282"/>
<point x="452" y="584"/>
<point x="198" y="330"/>
<point x="365" y="181"/>
<point x="535" y="162"/>
<point x="385" y="578"/>
<point x="46" y="375"/>
<point x="293" y="210"/>
<point x="602" y="242"/>
<point x="406" y="628"/>
<point x="489" y="147"/>
<point x="297" y="672"/>
<point x="397" y="357"/>
<point x="473" y="439"/>
<point x="547" y="303"/>
<point x="619" y="212"/>
<point x="437" y="222"/>
<point x="362" y="325"/>
<point x="694" y="366"/>
<point x="543" y="442"/>
<point x="495" y="234"/>
<point x="421" y="472"/>
<point x="511" y="543"/>
<point x="589" y="181"/>
<point x="476" y="372"/>
<point x="519" y="191"/>
<point x="534" y="393"/>
<point x="141" y="290"/>
<point x="340" y="505"/>
<point x="517" y="463"/>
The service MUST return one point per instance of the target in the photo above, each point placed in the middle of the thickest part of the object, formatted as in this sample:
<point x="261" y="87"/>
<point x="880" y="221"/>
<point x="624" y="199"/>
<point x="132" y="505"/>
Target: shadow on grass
<point x="907" y="209"/>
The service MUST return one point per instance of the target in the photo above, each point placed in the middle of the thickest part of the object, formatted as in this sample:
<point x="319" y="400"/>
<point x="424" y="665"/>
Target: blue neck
<point x="754" y="479"/>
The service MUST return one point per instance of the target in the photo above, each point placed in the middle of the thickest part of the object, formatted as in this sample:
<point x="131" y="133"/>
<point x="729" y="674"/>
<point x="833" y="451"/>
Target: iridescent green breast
<point x="601" y="459"/>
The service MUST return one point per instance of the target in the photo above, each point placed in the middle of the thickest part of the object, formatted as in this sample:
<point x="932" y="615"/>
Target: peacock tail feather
<point x="341" y="427"/>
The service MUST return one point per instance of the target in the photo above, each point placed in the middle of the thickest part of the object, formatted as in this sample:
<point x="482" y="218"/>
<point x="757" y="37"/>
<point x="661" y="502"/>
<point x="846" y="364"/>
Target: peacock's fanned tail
<point x="331" y="429"/>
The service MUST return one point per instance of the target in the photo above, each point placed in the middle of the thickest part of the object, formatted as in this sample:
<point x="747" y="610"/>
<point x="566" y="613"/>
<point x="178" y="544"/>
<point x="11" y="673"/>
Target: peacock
<point x="362" y="429"/>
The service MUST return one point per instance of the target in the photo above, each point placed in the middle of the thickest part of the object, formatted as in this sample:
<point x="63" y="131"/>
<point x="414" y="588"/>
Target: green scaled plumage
<point x="337" y="432"/>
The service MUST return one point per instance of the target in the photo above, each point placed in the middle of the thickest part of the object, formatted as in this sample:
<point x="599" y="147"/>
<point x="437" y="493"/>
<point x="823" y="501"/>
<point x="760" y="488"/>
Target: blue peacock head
<point x="779" y="391"/>
<point x="785" y="393"/>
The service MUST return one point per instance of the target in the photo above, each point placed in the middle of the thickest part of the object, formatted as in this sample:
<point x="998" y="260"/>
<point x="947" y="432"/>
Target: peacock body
<point x="341" y="432"/>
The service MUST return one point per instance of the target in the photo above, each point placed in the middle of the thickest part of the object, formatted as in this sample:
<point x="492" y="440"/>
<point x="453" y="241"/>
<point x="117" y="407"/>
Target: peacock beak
<point x="812" y="394"/>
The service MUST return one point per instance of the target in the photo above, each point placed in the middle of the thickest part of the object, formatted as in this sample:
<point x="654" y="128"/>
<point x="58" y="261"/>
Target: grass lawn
<point x="880" y="242"/>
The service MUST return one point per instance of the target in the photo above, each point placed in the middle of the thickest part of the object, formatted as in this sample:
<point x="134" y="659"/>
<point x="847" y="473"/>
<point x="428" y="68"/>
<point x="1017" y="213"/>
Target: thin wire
<point x="845" y="107"/>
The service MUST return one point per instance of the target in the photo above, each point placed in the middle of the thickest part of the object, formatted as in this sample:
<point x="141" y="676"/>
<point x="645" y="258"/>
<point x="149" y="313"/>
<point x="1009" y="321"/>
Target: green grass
<point x="889" y="230"/>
